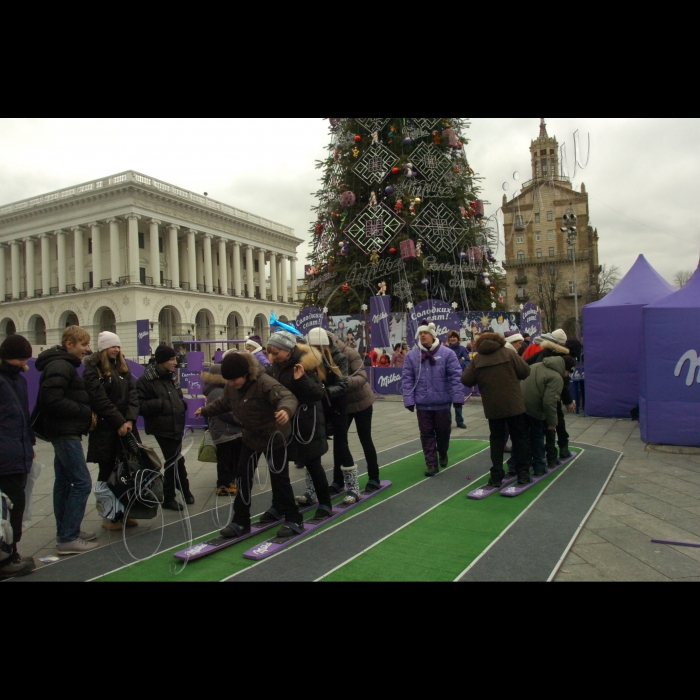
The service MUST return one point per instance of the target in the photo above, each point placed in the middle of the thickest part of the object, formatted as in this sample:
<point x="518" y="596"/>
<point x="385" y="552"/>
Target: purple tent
<point x="613" y="341"/>
<point x="669" y="405"/>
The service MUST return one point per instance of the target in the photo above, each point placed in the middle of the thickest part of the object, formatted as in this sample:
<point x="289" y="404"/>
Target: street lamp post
<point x="571" y="231"/>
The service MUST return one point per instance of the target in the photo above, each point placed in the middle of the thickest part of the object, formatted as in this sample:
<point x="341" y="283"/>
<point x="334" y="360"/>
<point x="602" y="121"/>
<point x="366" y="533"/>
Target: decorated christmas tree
<point x="399" y="213"/>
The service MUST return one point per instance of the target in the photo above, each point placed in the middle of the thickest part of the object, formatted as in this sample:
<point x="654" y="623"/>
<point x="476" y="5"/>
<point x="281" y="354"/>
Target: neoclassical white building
<point x="107" y="253"/>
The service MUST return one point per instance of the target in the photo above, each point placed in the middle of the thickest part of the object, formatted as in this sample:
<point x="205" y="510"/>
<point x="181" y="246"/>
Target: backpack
<point x="6" y="536"/>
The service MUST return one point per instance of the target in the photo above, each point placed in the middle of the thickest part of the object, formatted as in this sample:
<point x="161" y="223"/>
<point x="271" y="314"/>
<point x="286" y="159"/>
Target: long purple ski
<point x="518" y="489"/>
<point x="275" y="545"/>
<point x="204" y="549"/>
<point x="485" y="491"/>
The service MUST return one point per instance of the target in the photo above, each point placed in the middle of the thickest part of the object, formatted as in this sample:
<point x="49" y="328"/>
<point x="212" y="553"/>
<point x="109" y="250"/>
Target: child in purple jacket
<point x="432" y="385"/>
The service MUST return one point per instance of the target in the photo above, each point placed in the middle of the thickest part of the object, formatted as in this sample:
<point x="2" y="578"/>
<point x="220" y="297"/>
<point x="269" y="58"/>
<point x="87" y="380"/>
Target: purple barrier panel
<point x="219" y="357"/>
<point x="195" y="386"/>
<point x="195" y="361"/>
<point x="388" y="380"/>
<point x="192" y="406"/>
<point x="186" y="376"/>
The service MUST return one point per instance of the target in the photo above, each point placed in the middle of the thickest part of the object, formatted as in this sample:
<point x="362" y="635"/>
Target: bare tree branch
<point x="682" y="278"/>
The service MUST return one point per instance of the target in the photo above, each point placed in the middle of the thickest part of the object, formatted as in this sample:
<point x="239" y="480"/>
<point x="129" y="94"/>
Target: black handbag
<point x="139" y="488"/>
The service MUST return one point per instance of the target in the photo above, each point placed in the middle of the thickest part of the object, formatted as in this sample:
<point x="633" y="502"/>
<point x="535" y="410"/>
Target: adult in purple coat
<point x="432" y="385"/>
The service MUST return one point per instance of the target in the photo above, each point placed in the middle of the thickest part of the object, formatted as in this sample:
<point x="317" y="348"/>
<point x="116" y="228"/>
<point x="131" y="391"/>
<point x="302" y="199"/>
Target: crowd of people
<point x="284" y="401"/>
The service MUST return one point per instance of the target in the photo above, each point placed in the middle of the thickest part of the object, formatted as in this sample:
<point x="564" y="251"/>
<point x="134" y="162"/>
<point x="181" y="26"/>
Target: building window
<point x="540" y="289"/>
<point x="538" y="235"/>
<point x="160" y="244"/>
<point x="162" y="277"/>
<point x="520" y="238"/>
<point x="539" y="270"/>
<point x="537" y="218"/>
<point x="572" y="289"/>
<point x="552" y="270"/>
<point x="142" y="241"/>
<point x="142" y="275"/>
<point x="539" y="252"/>
<point x="550" y="235"/>
<point x="551" y="252"/>
<point x="522" y="292"/>
<point x="551" y="151"/>
<point x="521" y="257"/>
<point x="543" y="152"/>
<point x="256" y="266"/>
<point x="521" y="273"/>
<point x="550" y="216"/>
<point x="519" y="225"/>
<point x="544" y="167"/>
<point x="89" y="246"/>
<point x="91" y="281"/>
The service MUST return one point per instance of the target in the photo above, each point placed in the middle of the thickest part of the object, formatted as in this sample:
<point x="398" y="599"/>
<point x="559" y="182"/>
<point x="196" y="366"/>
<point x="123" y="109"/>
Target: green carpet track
<point x="441" y="544"/>
<point x="403" y="474"/>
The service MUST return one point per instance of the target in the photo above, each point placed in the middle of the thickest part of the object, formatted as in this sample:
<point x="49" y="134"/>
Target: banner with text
<point x="309" y="318"/>
<point x="387" y="380"/>
<point x="531" y="320"/>
<point x="379" y="317"/>
<point x="143" y="336"/>
<point x="432" y="311"/>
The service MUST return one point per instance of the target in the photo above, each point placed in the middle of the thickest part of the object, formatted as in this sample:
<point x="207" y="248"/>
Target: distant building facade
<point x="107" y="253"/>
<point x="539" y="257"/>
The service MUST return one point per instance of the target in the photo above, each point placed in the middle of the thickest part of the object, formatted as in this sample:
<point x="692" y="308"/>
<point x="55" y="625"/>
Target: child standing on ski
<point x="265" y="410"/>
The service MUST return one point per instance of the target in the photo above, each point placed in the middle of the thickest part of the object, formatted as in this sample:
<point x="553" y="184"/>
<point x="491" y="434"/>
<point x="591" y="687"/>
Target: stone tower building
<point x="539" y="253"/>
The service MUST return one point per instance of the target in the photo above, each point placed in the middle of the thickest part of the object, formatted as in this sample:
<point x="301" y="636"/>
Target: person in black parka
<point x="296" y="368"/>
<point x="163" y="405"/>
<point x="113" y="398"/>
<point x="16" y="444"/>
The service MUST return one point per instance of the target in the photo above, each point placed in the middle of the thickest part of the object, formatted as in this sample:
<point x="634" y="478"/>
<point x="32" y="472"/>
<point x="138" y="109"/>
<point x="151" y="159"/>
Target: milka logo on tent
<point x="143" y="334"/>
<point x="384" y="382"/>
<point x="692" y="357"/>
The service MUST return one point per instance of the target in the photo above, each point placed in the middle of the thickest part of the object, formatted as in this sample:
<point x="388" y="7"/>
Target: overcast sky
<point x="640" y="175"/>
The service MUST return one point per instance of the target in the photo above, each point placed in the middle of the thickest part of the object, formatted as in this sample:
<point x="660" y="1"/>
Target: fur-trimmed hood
<point x="554" y="347"/>
<point x="309" y="360"/>
<point x="489" y="343"/>
<point x="212" y="379"/>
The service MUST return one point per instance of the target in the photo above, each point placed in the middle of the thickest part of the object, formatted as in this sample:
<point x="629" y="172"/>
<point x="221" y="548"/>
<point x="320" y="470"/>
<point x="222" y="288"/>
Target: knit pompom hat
<point x="428" y="328"/>
<point x="560" y="336"/>
<point x="284" y="340"/>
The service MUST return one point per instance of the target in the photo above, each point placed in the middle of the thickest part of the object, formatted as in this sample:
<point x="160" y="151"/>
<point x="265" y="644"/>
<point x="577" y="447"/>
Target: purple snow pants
<point x="435" y="430"/>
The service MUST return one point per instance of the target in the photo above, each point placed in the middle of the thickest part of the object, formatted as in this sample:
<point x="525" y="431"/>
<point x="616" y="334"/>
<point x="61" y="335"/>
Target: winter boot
<point x="351" y="485"/>
<point x="564" y="452"/>
<point x="444" y="461"/>
<point x="309" y="498"/>
<point x="433" y="471"/>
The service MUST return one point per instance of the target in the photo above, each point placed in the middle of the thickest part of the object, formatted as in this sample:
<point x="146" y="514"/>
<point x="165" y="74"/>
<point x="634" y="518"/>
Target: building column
<point x="192" y="258"/>
<point x="114" y="255"/>
<point x="262" y="254"/>
<point x="174" y="262"/>
<point x="223" y="266"/>
<point x="208" y="267"/>
<point x="96" y="255"/>
<point x="61" y="254"/>
<point x="3" y="272"/>
<point x="273" y="277"/>
<point x="285" y="293"/>
<point x="237" y="290"/>
<point x="250" y="270"/>
<point x="200" y="264"/>
<point x="293" y="275"/>
<point x="133" y="228"/>
<point x="79" y="257"/>
<point x="31" y="271"/>
<point x="184" y="270"/>
<point x="278" y="272"/>
<point x="155" y="251"/>
<point x="45" y="265"/>
<point x="14" y="266"/>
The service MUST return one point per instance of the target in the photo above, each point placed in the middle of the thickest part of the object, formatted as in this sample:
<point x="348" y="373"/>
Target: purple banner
<point x="531" y="320"/>
<point x="309" y="318"/>
<point x="143" y="338"/>
<point x="387" y="380"/>
<point x="432" y="311"/>
<point x="380" y="312"/>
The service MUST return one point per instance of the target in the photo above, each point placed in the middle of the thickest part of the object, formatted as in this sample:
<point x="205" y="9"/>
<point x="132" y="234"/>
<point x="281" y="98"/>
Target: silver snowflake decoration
<point x="431" y="162"/>
<point x="374" y="123"/>
<point x="440" y="228"/>
<point x="376" y="164"/>
<point x="146" y="301"/>
<point x="426" y="122"/>
<point x="402" y="290"/>
<point x="374" y="228"/>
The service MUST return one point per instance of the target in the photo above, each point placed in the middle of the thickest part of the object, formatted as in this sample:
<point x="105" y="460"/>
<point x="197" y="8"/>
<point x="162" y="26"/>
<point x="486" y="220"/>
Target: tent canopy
<point x="614" y="339"/>
<point x="670" y="386"/>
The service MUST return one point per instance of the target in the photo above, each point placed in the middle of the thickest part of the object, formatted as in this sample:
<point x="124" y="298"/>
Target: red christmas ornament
<point x="392" y="251"/>
<point x="395" y="171"/>
<point x="358" y="138"/>
<point x="346" y="287"/>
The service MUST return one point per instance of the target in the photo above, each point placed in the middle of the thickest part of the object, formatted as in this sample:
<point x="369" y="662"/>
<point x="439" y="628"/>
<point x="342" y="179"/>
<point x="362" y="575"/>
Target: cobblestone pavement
<point x="651" y="495"/>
